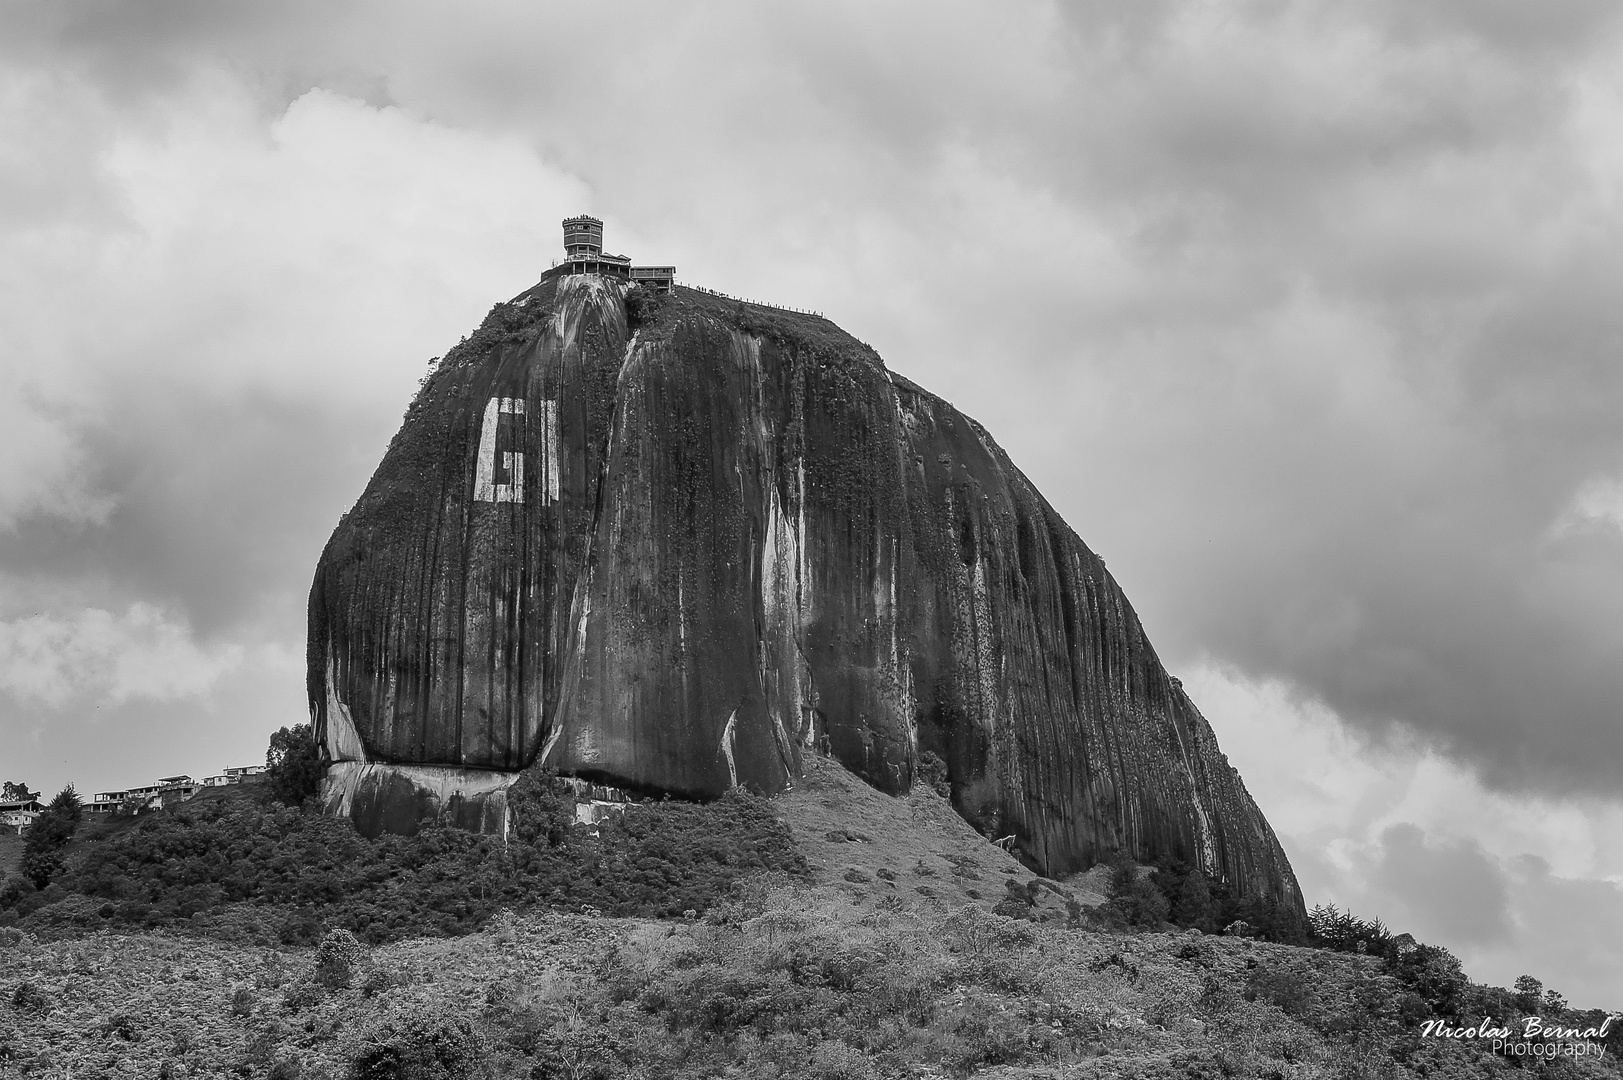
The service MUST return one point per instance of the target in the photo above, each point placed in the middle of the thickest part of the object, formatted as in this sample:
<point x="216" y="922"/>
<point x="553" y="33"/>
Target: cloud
<point x="46" y="471"/>
<point x="1453" y="888"/>
<point x="106" y="658"/>
<point x="1390" y="829"/>
<point x="1597" y="505"/>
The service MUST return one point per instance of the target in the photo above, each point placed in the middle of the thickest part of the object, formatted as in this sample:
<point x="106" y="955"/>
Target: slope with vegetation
<point x="779" y="980"/>
<point x="252" y="869"/>
<point x="835" y="932"/>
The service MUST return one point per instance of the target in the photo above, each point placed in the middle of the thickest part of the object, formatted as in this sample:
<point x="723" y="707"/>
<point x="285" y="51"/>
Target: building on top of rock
<point x="584" y="254"/>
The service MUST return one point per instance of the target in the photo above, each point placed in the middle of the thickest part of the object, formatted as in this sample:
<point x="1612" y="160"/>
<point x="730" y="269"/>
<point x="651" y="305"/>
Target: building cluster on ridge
<point x="584" y="254"/>
<point x="167" y="791"/>
<point x="17" y="815"/>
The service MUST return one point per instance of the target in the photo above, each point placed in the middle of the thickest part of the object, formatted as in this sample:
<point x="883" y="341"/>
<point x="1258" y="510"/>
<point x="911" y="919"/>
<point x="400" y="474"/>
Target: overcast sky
<point x="1305" y="316"/>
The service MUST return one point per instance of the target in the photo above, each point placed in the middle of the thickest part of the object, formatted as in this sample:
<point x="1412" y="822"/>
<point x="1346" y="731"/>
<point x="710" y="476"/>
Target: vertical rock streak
<point x="678" y="559"/>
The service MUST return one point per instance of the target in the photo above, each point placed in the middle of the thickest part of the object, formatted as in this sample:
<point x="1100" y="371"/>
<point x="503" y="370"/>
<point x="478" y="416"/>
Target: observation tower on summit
<point x="584" y="254"/>
<point x="583" y="238"/>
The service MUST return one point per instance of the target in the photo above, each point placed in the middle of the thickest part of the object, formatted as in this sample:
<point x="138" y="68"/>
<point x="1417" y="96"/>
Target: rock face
<point x="680" y="556"/>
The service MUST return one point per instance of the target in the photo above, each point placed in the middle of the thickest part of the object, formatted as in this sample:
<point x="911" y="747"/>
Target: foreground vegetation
<point x="249" y="868"/>
<point x="240" y="935"/>
<point x="778" y="980"/>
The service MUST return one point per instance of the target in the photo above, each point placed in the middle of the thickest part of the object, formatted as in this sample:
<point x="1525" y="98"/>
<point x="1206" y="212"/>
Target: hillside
<point x="784" y="981"/>
<point x="914" y="851"/>
<point x="874" y="950"/>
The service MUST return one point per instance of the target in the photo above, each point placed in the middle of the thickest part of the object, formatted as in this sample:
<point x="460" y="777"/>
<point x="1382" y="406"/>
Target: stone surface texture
<point x="683" y="554"/>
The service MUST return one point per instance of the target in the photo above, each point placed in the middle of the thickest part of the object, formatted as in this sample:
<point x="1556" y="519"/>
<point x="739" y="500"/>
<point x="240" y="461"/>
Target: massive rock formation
<point x="676" y="556"/>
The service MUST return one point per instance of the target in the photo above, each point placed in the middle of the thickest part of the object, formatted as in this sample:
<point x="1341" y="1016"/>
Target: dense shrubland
<point x="254" y="869"/>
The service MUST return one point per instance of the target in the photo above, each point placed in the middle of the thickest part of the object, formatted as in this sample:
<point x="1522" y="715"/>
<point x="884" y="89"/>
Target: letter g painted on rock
<point x="509" y="487"/>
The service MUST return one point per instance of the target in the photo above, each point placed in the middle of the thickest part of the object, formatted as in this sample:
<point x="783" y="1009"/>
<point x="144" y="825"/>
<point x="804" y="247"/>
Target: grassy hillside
<point x="913" y="852"/>
<point x="899" y="943"/>
<point x="784" y="980"/>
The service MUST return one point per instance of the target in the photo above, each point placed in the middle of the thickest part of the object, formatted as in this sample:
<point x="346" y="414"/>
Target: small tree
<point x="68" y="804"/>
<point x="293" y="764"/>
<point x="1135" y="896"/>
<point x="1529" y="993"/>
<point x="48" y="838"/>
<point x="1192" y="902"/>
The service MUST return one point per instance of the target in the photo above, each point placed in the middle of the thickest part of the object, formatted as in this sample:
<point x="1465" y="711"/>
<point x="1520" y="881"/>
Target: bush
<point x="303" y="994"/>
<point x="293" y="764"/>
<point x="932" y="772"/>
<point x="1196" y="952"/>
<point x="30" y="1000"/>
<point x="15" y="892"/>
<point x="417" y="1045"/>
<point x="337" y="958"/>
<point x="121" y="1026"/>
<point x="985" y="1033"/>
<point x="1017" y="901"/>
<point x="642" y="304"/>
<point x="574" y="1052"/>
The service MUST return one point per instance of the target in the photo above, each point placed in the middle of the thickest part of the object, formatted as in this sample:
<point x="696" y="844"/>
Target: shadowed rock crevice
<point x="677" y="559"/>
